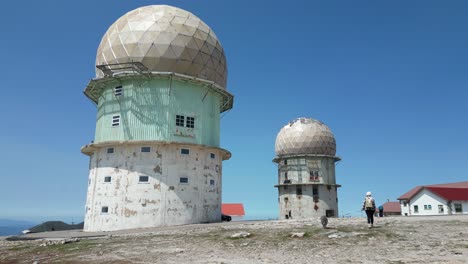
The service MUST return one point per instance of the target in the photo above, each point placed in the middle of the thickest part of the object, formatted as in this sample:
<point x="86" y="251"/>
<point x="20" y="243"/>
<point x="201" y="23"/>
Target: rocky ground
<point x="345" y="240"/>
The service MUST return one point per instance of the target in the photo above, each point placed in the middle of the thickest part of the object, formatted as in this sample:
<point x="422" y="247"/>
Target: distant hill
<point x="10" y="227"/>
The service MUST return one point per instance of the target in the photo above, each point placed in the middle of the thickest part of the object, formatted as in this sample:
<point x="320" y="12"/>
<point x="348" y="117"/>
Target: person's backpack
<point x="369" y="203"/>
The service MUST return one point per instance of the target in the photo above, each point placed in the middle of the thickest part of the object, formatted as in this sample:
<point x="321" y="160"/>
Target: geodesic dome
<point x="164" y="39"/>
<point x="305" y="136"/>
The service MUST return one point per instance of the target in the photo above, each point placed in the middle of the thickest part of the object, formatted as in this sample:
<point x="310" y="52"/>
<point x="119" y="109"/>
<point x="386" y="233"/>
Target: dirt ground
<point x="346" y="240"/>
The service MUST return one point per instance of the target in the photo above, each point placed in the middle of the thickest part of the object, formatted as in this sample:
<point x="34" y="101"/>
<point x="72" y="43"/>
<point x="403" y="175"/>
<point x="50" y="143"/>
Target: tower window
<point x="110" y="150"/>
<point x="315" y="191"/>
<point x="115" y="120"/>
<point x="212" y="155"/>
<point x="107" y="179"/>
<point x="183" y="180"/>
<point x="298" y="191"/>
<point x="145" y="149"/>
<point x="118" y="90"/>
<point x="285" y="162"/>
<point x="144" y="179"/>
<point x="180" y="120"/>
<point x="212" y="182"/>
<point x="185" y="151"/>
<point x="104" y="209"/>
<point x="190" y="122"/>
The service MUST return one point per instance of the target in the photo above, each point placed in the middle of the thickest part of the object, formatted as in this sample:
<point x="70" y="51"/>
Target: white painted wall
<point x="426" y="197"/>
<point x="163" y="200"/>
<point x="405" y="208"/>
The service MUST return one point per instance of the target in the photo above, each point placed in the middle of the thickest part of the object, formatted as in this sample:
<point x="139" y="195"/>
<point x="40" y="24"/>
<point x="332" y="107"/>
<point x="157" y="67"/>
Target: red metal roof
<point x="392" y="207"/>
<point x="459" y="190"/>
<point x="233" y="209"/>
<point x="411" y="193"/>
<point x="450" y="194"/>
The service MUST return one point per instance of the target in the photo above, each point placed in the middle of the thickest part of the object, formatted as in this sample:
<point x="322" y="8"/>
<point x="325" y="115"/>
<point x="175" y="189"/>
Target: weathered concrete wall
<point x="304" y="206"/>
<point x="163" y="200"/>
<point x="305" y="173"/>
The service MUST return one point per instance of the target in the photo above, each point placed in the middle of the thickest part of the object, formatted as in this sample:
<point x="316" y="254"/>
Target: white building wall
<point x="405" y="208"/>
<point x="464" y="205"/>
<point x="163" y="200"/>
<point x="427" y="198"/>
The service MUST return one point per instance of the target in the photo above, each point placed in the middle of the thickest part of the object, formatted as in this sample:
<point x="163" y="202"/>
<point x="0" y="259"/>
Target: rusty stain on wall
<point x="157" y="169"/>
<point x="129" y="212"/>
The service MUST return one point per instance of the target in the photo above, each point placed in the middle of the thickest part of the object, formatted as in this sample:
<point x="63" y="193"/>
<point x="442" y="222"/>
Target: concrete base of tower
<point x="307" y="201"/>
<point x="148" y="184"/>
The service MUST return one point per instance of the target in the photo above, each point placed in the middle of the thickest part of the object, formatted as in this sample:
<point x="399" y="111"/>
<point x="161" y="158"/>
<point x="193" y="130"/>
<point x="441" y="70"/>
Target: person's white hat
<point x="368" y="194"/>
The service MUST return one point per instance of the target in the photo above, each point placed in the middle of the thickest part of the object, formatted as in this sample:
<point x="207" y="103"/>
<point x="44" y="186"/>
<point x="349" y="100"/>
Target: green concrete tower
<point x="160" y="87"/>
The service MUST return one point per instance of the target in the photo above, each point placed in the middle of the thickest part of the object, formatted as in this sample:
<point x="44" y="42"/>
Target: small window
<point x="427" y="207"/>
<point x="180" y="120"/>
<point x="190" y="122"/>
<point x="458" y="208"/>
<point x="212" y="182"/>
<point x="286" y="199"/>
<point x="185" y="151"/>
<point x="110" y="150"/>
<point x="298" y="191"/>
<point x="405" y="204"/>
<point x="144" y="179"/>
<point x="116" y="120"/>
<point x="212" y="155"/>
<point x="105" y="209"/>
<point x="118" y="90"/>
<point x="145" y="149"/>
<point x="185" y="180"/>
<point x="416" y="209"/>
<point x="285" y="162"/>
<point x="107" y="179"/>
<point x="315" y="191"/>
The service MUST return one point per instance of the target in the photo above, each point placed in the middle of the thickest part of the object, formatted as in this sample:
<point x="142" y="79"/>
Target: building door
<point x="441" y="209"/>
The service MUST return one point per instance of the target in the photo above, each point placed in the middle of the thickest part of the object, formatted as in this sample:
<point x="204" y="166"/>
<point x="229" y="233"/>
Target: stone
<point x="241" y="235"/>
<point x="299" y="234"/>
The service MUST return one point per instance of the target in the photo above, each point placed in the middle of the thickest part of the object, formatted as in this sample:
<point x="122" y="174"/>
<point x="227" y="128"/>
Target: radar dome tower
<point x="160" y="87"/>
<point x="305" y="152"/>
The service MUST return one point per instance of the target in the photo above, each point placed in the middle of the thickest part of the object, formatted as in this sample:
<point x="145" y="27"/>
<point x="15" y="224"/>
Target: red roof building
<point x="391" y="208"/>
<point x="437" y="199"/>
<point x="234" y="210"/>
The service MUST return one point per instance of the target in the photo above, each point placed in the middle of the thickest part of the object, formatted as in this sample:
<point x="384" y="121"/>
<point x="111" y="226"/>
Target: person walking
<point x="369" y="206"/>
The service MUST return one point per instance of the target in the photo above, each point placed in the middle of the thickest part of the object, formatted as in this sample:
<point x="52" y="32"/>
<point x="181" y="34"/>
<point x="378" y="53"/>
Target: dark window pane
<point x="144" y="178"/>
<point x="183" y="180"/>
<point x="145" y="149"/>
<point x="185" y="151"/>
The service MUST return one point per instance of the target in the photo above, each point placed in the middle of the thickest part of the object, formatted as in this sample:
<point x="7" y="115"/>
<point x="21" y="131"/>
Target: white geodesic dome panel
<point x="305" y="136"/>
<point x="164" y="39"/>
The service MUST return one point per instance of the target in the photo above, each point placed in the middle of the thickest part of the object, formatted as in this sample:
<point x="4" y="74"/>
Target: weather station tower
<point x="160" y="88"/>
<point x="305" y="153"/>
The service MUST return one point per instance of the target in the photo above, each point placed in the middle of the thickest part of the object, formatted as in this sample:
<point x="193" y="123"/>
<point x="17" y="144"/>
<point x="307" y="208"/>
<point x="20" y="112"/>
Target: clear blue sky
<point x="388" y="77"/>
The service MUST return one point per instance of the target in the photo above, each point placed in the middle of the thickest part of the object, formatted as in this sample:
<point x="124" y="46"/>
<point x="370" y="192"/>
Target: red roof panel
<point x="392" y="207"/>
<point x="458" y="188"/>
<point x="233" y="209"/>
<point x="450" y="194"/>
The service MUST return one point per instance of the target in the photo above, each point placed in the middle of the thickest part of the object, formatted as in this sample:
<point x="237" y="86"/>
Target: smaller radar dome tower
<point x="305" y="153"/>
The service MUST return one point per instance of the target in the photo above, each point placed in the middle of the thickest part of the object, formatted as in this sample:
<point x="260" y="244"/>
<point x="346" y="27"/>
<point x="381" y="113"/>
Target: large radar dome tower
<point x="160" y="87"/>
